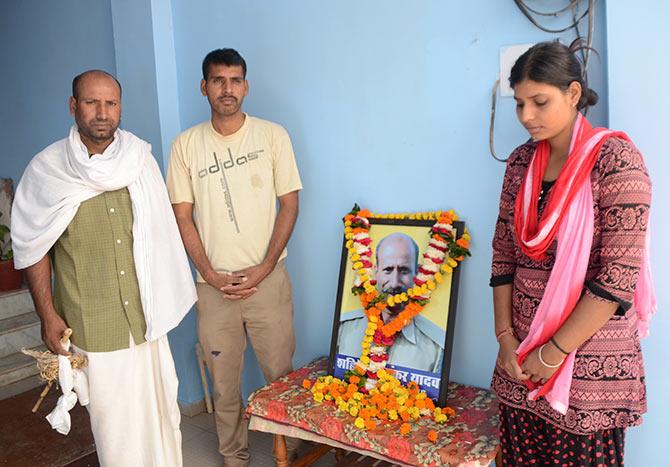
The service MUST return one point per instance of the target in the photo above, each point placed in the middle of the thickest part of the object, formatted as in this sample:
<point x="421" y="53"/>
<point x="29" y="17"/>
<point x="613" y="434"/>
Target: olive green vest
<point x="95" y="284"/>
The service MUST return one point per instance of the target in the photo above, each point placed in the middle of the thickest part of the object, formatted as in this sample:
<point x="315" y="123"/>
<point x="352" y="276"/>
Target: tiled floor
<point x="200" y="445"/>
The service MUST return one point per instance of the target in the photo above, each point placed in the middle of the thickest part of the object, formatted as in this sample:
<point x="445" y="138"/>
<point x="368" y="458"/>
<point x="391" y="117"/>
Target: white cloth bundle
<point x="74" y="384"/>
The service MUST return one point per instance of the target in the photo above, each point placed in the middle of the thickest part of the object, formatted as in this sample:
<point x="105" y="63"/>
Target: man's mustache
<point x="394" y="290"/>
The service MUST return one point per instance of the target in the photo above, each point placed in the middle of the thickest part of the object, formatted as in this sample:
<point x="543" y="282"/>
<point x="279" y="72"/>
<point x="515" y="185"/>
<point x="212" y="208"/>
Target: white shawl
<point x="62" y="176"/>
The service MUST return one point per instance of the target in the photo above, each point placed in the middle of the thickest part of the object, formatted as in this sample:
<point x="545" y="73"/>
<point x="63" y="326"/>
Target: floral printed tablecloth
<point x="471" y="438"/>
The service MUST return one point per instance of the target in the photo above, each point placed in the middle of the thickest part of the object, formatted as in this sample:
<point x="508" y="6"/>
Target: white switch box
<point x="508" y="56"/>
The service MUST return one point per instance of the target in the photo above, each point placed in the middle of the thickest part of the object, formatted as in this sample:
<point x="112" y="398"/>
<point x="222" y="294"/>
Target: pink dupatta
<point x="568" y="218"/>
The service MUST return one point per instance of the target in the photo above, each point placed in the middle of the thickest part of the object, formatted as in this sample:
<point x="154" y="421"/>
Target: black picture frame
<point x="342" y="288"/>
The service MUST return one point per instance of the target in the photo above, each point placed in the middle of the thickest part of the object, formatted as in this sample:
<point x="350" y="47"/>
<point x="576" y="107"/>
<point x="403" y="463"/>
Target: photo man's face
<point x="396" y="264"/>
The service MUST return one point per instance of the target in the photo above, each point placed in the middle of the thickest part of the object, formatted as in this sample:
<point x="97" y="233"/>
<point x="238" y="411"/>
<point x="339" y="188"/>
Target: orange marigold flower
<point x="405" y="428"/>
<point x="354" y="379"/>
<point x="306" y="383"/>
<point x="462" y="243"/>
<point x="370" y="424"/>
<point x="404" y="415"/>
<point x="432" y="436"/>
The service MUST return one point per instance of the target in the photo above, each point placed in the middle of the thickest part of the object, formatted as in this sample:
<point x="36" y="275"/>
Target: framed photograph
<point x="421" y="351"/>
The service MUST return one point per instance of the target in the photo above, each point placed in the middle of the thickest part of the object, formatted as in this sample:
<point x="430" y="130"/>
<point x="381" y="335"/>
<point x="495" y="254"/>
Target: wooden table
<point x="285" y="408"/>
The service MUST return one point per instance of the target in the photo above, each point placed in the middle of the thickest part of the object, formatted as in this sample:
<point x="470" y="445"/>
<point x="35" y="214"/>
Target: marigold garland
<point x="370" y="393"/>
<point x="442" y="255"/>
<point x="390" y="401"/>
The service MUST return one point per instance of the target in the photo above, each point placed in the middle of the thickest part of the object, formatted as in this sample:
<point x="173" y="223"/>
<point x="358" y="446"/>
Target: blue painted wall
<point x="387" y="103"/>
<point x="639" y="103"/>
<point x="43" y="46"/>
<point x="398" y="92"/>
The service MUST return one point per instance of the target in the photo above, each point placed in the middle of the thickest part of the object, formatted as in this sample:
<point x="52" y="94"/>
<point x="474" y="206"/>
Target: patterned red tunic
<point x="608" y="388"/>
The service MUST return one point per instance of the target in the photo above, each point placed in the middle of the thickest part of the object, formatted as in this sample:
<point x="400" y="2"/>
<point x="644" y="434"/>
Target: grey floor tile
<point x="202" y="451"/>
<point x="204" y="421"/>
<point x="188" y="432"/>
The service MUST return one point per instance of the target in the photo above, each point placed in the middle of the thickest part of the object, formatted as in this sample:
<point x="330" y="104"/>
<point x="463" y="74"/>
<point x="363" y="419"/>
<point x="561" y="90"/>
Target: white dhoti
<point x="133" y="406"/>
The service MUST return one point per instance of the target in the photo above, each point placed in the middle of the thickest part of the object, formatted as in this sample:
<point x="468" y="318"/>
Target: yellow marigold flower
<point x="328" y="397"/>
<point x="355" y="257"/>
<point x="430" y="284"/>
<point x="370" y="332"/>
<point x="328" y="379"/>
<point x="410" y="292"/>
<point x="364" y="276"/>
<point x="452" y="262"/>
<point x="390" y="300"/>
<point x="365" y="360"/>
<point x="365" y="345"/>
<point x="384" y="387"/>
<point x="348" y="230"/>
<point x="446" y="268"/>
<point x="439" y="278"/>
<point x="412" y="216"/>
<point x="381" y="374"/>
<point x="357" y="396"/>
<point x="393" y="415"/>
<point x="360" y="423"/>
<point x="397" y="299"/>
<point x="318" y="396"/>
<point x="347" y="223"/>
<point x="358" y="265"/>
<point x="368" y="339"/>
<point x="350" y="244"/>
<point x="348" y="236"/>
<point x="353" y="411"/>
<point x="401" y="401"/>
<point x="373" y="319"/>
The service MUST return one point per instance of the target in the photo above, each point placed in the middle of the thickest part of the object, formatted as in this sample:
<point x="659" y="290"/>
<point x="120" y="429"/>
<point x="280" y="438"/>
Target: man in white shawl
<point x="93" y="207"/>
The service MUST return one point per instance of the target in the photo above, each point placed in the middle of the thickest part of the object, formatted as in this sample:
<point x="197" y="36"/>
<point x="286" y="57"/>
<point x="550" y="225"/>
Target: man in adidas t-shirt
<point x="224" y="179"/>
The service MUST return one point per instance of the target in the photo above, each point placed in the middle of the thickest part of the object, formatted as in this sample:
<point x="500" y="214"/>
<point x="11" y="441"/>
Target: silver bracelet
<point x="539" y="355"/>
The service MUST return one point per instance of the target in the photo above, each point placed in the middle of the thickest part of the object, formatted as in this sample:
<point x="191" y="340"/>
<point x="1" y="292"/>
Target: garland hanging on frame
<point x="369" y="392"/>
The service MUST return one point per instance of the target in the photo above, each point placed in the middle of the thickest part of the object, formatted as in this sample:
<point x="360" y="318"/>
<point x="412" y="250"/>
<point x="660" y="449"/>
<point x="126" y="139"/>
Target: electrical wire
<point x="526" y="12"/>
<point x="553" y="13"/>
<point x="494" y="104"/>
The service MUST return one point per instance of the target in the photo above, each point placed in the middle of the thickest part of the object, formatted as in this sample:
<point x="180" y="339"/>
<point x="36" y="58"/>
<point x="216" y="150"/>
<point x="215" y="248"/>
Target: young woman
<point x="571" y="283"/>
